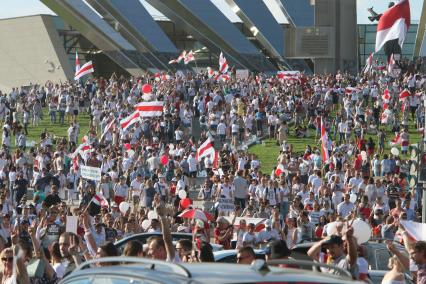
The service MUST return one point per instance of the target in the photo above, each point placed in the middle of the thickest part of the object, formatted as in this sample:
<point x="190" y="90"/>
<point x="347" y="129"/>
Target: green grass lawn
<point x="268" y="150"/>
<point x="55" y="129"/>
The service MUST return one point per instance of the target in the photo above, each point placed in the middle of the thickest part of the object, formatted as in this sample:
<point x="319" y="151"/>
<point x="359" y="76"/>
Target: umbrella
<point x="196" y="214"/>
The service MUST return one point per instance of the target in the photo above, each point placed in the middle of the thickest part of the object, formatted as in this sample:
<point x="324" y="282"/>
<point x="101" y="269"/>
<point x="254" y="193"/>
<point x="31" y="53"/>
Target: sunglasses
<point x="7" y="259"/>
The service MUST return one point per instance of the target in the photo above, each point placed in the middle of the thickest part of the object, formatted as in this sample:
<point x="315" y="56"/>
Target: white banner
<point x="226" y="205"/>
<point x="71" y="224"/>
<point x="241" y="73"/>
<point x="91" y="173"/>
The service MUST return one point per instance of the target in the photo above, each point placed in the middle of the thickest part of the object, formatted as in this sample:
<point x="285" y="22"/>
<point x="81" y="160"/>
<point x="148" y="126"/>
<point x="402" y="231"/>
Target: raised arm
<point x="165" y="228"/>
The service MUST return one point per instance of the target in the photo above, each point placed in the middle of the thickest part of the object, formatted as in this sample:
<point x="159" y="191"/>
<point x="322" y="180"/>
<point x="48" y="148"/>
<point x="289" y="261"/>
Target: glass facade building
<point x="367" y="41"/>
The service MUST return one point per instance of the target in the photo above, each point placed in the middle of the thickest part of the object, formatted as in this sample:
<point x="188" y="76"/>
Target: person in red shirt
<point x="223" y="233"/>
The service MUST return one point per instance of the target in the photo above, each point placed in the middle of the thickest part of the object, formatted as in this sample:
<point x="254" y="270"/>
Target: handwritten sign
<point x="226" y="205"/>
<point x="91" y="173"/>
<point x="71" y="225"/>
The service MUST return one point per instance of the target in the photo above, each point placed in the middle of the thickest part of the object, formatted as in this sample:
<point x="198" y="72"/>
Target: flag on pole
<point x="288" y="75"/>
<point x="87" y="68"/>
<point x="179" y="59"/>
<point x="393" y="24"/>
<point x="324" y="142"/>
<point x="211" y="72"/>
<point x="205" y="149"/>
<point x="130" y="120"/>
<point x="77" y="63"/>
<point x="150" y="109"/>
<point x="96" y="203"/>
<point x="391" y="64"/>
<point x="369" y="63"/>
<point x="189" y="57"/>
<point x="223" y="64"/>
<point x="109" y="125"/>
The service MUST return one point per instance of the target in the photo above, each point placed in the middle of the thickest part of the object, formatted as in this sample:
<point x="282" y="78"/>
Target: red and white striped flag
<point x="150" y="109"/>
<point x="279" y="170"/>
<point x="396" y="140"/>
<point x="391" y="64"/>
<point x="179" y="59"/>
<point x="324" y="142"/>
<point x="77" y="63"/>
<point x="189" y="57"/>
<point x="350" y="90"/>
<point x="404" y="94"/>
<point x="393" y="24"/>
<point x="87" y="68"/>
<point x="109" y="125"/>
<point x="211" y="72"/>
<point x="386" y="96"/>
<point x="223" y="64"/>
<point x="369" y="63"/>
<point x="288" y="75"/>
<point x="130" y="120"/>
<point x="205" y="149"/>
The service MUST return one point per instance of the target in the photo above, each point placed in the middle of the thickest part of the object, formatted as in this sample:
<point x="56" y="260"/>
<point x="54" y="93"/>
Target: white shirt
<point x="135" y="185"/>
<point x="344" y="209"/>
<point x="192" y="161"/>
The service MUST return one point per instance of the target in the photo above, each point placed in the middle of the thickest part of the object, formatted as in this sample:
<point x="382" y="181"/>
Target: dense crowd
<point x="151" y="174"/>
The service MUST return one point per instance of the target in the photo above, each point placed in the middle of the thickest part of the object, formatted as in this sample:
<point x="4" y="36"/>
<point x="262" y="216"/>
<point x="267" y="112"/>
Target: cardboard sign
<point x="241" y="73"/>
<point x="226" y="205"/>
<point x="71" y="225"/>
<point x="91" y="173"/>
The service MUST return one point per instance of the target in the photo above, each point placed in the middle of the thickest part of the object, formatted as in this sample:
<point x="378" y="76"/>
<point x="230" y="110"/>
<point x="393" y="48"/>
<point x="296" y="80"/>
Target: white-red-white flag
<point x="87" y="68"/>
<point x="179" y="59"/>
<point x="350" y="90"/>
<point x="369" y="63"/>
<point x="189" y="57"/>
<point x="211" y="72"/>
<point x="288" y="75"/>
<point x="391" y="64"/>
<point x="205" y="149"/>
<point x="396" y="140"/>
<point x="404" y="94"/>
<point x="279" y="170"/>
<point x="150" y="109"/>
<point x="77" y="63"/>
<point x="130" y="120"/>
<point x="324" y="142"/>
<point x="107" y="128"/>
<point x="393" y="24"/>
<point x="223" y="64"/>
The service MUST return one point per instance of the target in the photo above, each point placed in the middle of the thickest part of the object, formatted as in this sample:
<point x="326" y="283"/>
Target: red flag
<point x="386" y="95"/>
<point x="393" y="24"/>
<point x="280" y="169"/>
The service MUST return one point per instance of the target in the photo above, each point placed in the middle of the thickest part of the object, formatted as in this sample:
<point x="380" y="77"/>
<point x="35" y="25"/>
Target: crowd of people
<point x="151" y="173"/>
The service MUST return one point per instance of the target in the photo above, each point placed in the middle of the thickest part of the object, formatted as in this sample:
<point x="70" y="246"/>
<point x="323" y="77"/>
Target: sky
<point x="18" y="8"/>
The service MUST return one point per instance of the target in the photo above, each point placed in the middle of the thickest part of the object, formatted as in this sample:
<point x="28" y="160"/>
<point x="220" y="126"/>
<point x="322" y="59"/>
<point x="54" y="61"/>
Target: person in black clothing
<point x="20" y="188"/>
<point x="53" y="198"/>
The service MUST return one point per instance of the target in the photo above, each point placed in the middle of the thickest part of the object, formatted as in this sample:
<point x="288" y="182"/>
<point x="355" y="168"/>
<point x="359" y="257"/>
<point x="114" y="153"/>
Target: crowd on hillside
<point x="152" y="177"/>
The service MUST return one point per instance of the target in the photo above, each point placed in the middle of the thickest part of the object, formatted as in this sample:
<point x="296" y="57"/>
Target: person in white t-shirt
<point x="135" y="189"/>
<point x="221" y="131"/>
<point x="193" y="168"/>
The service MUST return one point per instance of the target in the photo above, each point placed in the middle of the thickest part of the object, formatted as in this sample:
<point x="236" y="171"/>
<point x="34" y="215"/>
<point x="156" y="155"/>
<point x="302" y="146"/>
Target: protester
<point x="151" y="167"/>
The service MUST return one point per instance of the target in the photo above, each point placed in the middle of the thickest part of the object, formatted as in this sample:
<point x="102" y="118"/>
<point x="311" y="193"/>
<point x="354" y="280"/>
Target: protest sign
<point x="71" y="225"/>
<point x="226" y="205"/>
<point x="241" y="73"/>
<point x="91" y="173"/>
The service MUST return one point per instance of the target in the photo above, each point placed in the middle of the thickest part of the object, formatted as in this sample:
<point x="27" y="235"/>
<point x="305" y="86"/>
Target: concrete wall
<point x="31" y="52"/>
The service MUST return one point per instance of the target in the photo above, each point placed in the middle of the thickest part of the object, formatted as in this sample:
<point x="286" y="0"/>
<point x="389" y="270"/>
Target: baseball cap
<point x="333" y="239"/>
<point x="277" y="249"/>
